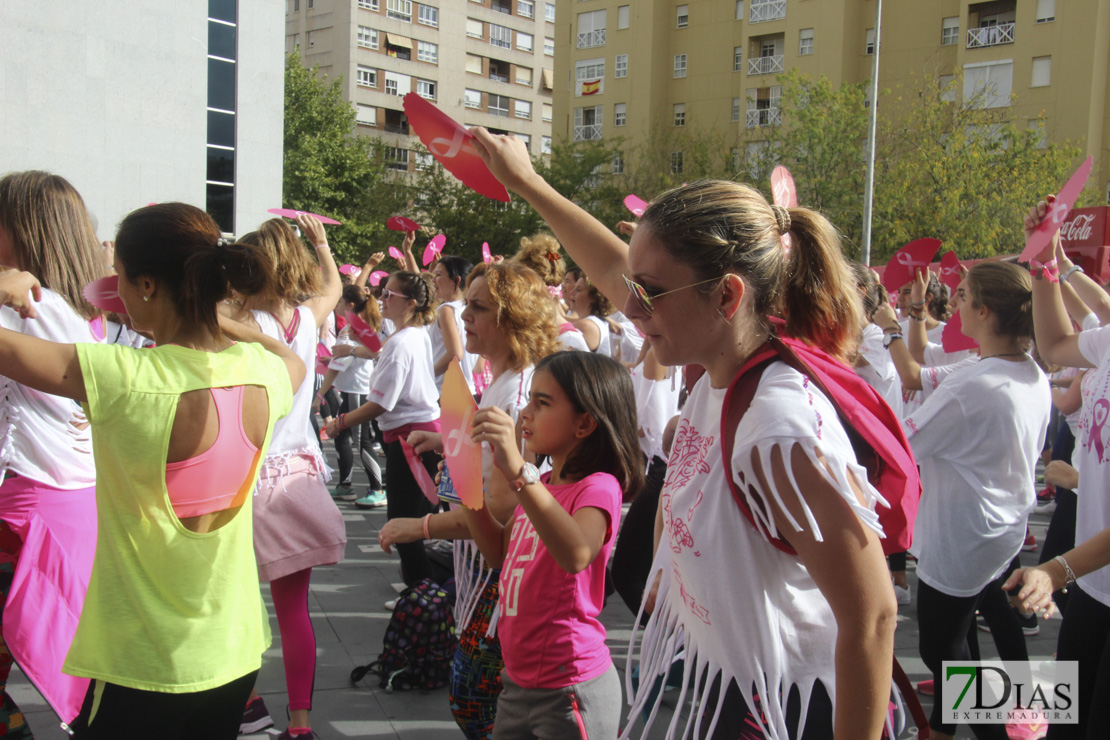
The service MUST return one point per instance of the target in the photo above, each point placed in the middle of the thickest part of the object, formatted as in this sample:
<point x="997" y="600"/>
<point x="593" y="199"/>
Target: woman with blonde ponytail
<point x="702" y="277"/>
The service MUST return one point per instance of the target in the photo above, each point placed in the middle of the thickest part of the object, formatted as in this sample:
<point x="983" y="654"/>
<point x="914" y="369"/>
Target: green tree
<point x="330" y="170"/>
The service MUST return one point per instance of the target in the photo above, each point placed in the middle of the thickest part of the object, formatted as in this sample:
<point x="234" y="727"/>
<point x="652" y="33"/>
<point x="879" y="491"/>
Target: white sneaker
<point x="902" y="594"/>
<point x="391" y="605"/>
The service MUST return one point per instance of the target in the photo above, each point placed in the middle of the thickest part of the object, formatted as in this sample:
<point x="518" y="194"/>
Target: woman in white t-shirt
<point x="977" y="440"/>
<point x="449" y="278"/>
<point x="403" y="398"/>
<point x="47" y="497"/>
<point x="591" y="307"/>
<point x="703" y="272"/>
<point x="509" y="320"/>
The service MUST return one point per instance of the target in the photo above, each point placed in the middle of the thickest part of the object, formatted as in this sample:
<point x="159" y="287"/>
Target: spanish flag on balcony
<point x="591" y="87"/>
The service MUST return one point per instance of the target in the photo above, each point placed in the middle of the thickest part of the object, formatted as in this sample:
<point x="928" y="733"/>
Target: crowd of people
<point x="160" y="463"/>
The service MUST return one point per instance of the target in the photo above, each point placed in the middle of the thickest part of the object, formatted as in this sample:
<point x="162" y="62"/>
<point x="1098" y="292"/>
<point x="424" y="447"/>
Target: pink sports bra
<point x="193" y="484"/>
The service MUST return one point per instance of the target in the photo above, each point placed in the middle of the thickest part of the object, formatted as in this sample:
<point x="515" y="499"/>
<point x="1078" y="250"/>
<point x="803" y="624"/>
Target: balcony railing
<point x="498" y="78"/>
<point x="589" y="132"/>
<point x="765" y="65"/>
<point x="590" y="39"/>
<point x="394" y="128"/>
<point x="1003" y="33"/>
<point x="764" y="117"/>
<point x="769" y="10"/>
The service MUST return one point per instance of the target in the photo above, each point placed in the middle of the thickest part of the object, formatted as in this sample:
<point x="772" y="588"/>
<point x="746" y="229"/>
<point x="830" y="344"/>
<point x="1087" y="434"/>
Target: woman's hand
<point x="422" y="442"/>
<point x="341" y="350"/>
<point x="374" y="260"/>
<point x="628" y="228"/>
<point x="312" y="229"/>
<point x="1033" y="219"/>
<point x="885" y="318"/>
<point x="1037" y="589"/>
<point x="507" y="158"/>
<point x="920" y="286"/>
<point x="332" y="428"/>
<point x="410" y="239"/>
<point x="400" y="531"/>
<point x="496" y="427"/>
<point x="1060" y="473"/>
<point x="20" y="290"/>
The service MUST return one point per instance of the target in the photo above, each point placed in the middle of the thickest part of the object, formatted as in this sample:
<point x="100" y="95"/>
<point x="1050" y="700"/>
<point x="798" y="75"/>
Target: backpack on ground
<point x="419" y="642"/>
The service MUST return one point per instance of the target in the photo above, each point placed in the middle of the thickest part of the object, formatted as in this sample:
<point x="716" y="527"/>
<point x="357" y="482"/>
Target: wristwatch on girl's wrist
<point x="528" y="475"/>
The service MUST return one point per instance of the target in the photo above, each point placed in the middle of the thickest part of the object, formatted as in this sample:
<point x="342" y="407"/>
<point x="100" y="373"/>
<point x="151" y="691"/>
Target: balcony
<point x="760" y="117"/>
<point x="588" y="132"/>
<point x="768" y="10"/>
<point x="765" y="65"/>
<point x="979" y="38"/>
<point x="590" y="39"/>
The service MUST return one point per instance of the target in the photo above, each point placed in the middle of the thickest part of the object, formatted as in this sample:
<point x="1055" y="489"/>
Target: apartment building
<point x="483" y="62"/>
<point x="624" y="68"/>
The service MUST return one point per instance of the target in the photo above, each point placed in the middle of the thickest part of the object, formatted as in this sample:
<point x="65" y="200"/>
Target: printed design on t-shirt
<point x="679" y="529"/>
<point x="1099" y="413"/>
<point x="523" y="543"/>
<point x="809" y="396"/>
<point x="688" y="458"/>
<point x="910" y="424"/>
<point x="688" y="599"/>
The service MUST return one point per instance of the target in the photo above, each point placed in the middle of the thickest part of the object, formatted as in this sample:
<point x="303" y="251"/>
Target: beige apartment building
<point x="624" y="67"/>
<point x="483" y="62"/>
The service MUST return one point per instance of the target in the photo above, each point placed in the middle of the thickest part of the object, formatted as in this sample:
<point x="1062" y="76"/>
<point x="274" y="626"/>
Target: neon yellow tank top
<point x="167" y="609"/>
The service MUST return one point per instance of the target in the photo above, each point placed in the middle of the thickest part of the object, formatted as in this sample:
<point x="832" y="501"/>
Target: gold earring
<point x="146" y="298"/>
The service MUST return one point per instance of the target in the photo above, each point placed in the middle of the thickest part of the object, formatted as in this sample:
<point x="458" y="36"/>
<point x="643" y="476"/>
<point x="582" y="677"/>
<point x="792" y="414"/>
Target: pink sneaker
<point x="925" y="688"/>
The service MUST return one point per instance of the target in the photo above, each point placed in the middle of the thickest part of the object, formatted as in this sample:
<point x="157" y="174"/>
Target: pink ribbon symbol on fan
<point x="395" y="253"/>
<point x="486" y="256"/>
<point x="450" y="149"/>
<point x="908" y="260"/>
<point x="1098" y="420"/>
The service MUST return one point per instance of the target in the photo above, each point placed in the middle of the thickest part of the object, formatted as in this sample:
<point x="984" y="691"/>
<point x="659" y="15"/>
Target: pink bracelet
<point x="1048" y="269"/>
<point x="426" y="518"/>
<point x="341" y="422"/>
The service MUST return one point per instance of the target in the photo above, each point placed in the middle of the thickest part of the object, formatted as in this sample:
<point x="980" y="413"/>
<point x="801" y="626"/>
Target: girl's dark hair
<point x="718" y="227"/>
<point x="871" y="293"/>
<point x="599" y="305"/>
<point x="458" y="269"/>
<point x="418" y="288"/>
<point x="1007" y="290"/>
<point x="51" y="234"/>
<point x="365" y="305"/>
<point x="180" y="246"/>
<point x="601" y="387"/>
<point x="938" y="307"/>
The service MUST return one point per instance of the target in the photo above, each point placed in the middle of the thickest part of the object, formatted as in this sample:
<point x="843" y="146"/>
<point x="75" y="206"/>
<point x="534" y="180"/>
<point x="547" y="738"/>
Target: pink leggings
<point x="298" y="641"/>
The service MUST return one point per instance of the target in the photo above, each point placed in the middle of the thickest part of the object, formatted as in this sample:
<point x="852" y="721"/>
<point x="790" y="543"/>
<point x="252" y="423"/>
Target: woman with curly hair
<point x="509" y="320"/>
<point x="542" y="253"/>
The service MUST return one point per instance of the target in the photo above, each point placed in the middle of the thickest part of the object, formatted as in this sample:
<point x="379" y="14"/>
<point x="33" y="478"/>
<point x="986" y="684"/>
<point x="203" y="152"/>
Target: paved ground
<point x="348" y="615"/>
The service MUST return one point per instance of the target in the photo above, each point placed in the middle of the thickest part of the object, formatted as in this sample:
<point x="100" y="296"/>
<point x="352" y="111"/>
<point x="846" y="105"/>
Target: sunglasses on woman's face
<point x="646" y="299"/>
<point x="388" y="293"/>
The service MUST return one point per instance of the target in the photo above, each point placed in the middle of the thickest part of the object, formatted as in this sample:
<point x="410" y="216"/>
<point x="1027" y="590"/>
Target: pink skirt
<point x="296" y="523"/>
<point x="58" y="529"/>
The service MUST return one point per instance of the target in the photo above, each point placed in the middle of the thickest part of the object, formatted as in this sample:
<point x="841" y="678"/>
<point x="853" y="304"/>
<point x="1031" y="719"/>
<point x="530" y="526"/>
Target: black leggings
<point x="737" y="720"/>
<point x="359" y="438"/>
<point x="133" y="714"/>
<point x="404" y="498"/>
<point x="633" y="554"/>
<point x="1060" y="536"/>
<point x="948" y="632"/>
<point x="1083" y="638"/>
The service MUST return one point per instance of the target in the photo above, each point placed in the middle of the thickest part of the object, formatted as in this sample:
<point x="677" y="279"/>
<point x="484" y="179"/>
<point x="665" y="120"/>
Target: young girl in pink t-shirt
<point x="559" y="678"/>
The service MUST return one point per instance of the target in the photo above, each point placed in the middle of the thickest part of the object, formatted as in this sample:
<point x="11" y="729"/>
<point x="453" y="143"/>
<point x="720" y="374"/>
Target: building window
<point x="526" y="8"/>
<point x="676" y="163"/>
<point x="397" y="84"/>
<point x="587" y="123"/>
<point x="499" y="105"/>
<point x="591" y="29"/>
<point x="547" y="112"/>
<point x="620" y="113"/>
<point x="549" y="47"/>
<point x="473" y="28"/>
<point x="502" y="6"/>
<point x="367" y="115"/>
<point x="1046" y="11"/>
<point x="805" y="41"/>
<point x="524" y="76"/>
<point x="526" y="139"/>
<point x="735" y="110"/>
<point x="368" y="37"/>
<point x="296" y="5"/>
<point x="221" y="107"/>
<point x="589" y="77"/>
<point x="739" y="10"/>
<point x="763" y="107"/>
<point x="620" y="66"/>
<point x="426" y="89"/>
<point x="426" y="51"/>
<point x="947" y="85"/>
<point x="679" y="114"/>
<point x="399" y="9"/>
<point x="679" y="65"/>
<point x="311" y="4"/>
<point x="500" y="36"/>
<point x="950" y="31"/>
<point x="428" y="15"/>
<point x="618" y="163"/>
<point x="683" y="19"/>
<point x="623" y="13"/>
<point x="869" y="43"/>
<point x="474" y="64"/>
<point x="737" y="58"/>
<point x="368" y="4"/>
<point x="311" y="39"/>
<point x="1038" y="132"/>
<point x="391" y="87"/>
<point x="549" y="14"/>
<point x="367" y="77"/>
<point x="524" y="41"/>
<point x="397" y="158"/>
<point x="522" y="109"/>
<point x="545" y="145"/>
<point x="989" y="85"/>
<point x="472" y="98"/>
<point x="1042" y="72"/>
<point x="296" y="41"/>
